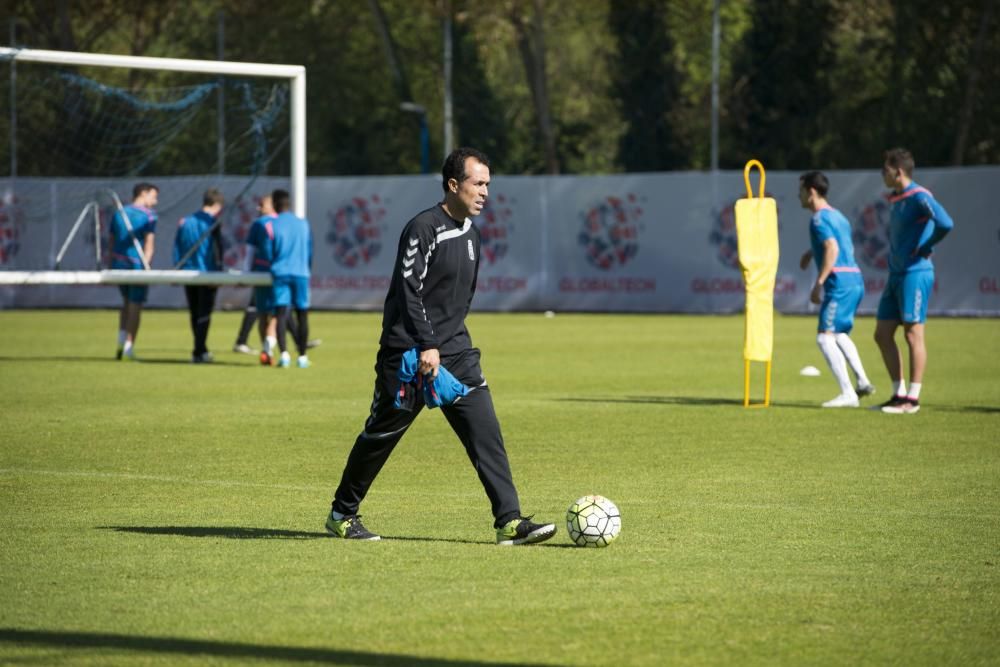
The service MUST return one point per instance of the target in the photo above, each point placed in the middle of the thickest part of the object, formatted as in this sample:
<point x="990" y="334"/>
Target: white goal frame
<point x="296" y="74"/>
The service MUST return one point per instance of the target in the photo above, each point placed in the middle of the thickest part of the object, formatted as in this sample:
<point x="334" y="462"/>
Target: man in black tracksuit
<point x="433" y="281"/>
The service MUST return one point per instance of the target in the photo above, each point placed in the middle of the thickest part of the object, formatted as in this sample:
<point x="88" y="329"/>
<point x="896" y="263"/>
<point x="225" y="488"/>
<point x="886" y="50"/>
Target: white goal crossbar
<point x="128" y="277"/>
<point x="295" y="73"/>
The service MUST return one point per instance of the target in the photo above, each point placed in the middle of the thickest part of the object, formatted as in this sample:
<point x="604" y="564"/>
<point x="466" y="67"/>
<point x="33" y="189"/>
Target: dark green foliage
<point x="827" y="84"/>
<point x="781" y="87"/>
<point x="646" y="86"/>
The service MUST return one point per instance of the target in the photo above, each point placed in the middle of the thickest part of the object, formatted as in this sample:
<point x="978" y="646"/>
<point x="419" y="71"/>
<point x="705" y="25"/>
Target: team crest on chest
<point x="472" y="253"/>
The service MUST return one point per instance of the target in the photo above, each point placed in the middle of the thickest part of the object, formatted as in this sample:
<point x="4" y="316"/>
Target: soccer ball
<point x="593" y="521"/>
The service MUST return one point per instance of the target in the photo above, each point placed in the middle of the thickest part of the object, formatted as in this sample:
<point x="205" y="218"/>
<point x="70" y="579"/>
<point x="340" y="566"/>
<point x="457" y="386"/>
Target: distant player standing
<point x="839" y="288"/>
<point x="291" y="267"/>
<point x="198" y="244"/>
<point x="433" y="282"/>
<point x="253" y="314"/>
<point x="129" y="236"/>
<point x="917" y="223"/>
<point x="260" y="243"/>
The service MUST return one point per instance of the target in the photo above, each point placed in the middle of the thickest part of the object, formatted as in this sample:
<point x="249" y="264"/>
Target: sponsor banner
<point x="618" y="243"/>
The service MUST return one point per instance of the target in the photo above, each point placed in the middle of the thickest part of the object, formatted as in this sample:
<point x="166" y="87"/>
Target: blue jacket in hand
<point x="445" y="389"/>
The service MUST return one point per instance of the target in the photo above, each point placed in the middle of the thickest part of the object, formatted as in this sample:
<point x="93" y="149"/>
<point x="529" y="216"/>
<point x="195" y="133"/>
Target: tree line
<point x="580" y="87"/>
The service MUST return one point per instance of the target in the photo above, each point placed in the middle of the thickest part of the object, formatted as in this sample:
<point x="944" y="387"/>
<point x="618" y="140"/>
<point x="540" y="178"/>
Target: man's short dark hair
<point x="142" y="188"/>
<point x="900" y="158"/>
<point x="212" y="197"/>
<point x="815" y="180"/>
<point x="454" y="165"/>
<point x="281" y="201"/>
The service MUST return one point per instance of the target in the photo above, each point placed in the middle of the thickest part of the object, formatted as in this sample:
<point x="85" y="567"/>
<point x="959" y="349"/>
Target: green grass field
<point x="163" y="513"/>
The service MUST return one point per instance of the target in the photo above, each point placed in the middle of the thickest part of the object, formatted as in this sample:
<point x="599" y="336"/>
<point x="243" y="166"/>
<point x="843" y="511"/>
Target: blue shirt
<point x="261" y="239"/>
<point x="829" y="223"/>
<point x="916" y="223"/>
<point x="292" y="246"/>
<point x="189" y="231"/>
<point x="123" y="251"/>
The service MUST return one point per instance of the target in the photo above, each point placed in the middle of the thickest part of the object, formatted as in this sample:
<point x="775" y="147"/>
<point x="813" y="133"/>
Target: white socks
<point x="835" y="360"/>
<point x="899" y="388"/>
<point x="270" y="344"/>
<point x="847" y="346"/>
<point x="914" y="390"/>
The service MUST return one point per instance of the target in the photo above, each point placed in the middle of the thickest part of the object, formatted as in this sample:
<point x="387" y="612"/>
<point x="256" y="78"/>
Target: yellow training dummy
<point x="757" y="235"/>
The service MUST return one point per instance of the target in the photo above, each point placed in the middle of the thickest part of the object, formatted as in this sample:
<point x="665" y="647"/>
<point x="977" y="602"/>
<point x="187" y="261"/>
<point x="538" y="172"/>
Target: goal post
<point x="295" y="74"/>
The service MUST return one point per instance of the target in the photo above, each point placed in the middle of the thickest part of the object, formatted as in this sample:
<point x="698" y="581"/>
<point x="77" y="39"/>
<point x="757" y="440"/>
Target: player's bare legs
<point x="914" y="333"/>
<point x="132" y="315"/>
<point x="885" y="338"/>
<point x="902" y="401"/>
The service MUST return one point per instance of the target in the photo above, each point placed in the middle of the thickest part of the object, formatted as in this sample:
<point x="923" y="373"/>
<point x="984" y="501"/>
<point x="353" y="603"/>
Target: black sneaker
<point x="524" y="531"/>
<point x="349" y="528"/>
<point x="908" y="406"/>
<point x="893" y="402"/>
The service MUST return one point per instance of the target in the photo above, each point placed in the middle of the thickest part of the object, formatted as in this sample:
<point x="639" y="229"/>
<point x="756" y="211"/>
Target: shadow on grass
<point x="182" y="362"/>
<point x="201" y="647"/>
<point x="34" y="359"/>
<point x="685" y="400"/>
<point x="703" y="401"/>
<point x="229" y="532"/>
<point x="984" y="409"/>
<point x="490" y="543"/>
<point x="244" y="533"/>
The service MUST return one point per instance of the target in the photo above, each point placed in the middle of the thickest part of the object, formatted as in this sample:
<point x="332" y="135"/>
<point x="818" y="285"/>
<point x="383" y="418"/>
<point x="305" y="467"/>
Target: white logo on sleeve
<point x="472" y="253"/>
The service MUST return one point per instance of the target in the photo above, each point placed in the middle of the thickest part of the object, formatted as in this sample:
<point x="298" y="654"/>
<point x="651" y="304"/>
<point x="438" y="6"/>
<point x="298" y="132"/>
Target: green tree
<point x="781" y="91"/>
<point x="646" y="87"/>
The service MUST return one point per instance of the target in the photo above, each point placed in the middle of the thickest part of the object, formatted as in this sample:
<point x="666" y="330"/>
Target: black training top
<point x="433" y="281"/>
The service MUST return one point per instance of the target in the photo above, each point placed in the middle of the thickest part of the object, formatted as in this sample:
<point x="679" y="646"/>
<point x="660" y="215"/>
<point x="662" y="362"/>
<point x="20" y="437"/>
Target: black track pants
<point x="201" y="301"/>
<point x="472" y="418"/>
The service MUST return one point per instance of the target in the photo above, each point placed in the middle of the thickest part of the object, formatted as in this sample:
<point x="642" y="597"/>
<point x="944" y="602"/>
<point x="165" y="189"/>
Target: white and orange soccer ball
<point x="593" y="521"/>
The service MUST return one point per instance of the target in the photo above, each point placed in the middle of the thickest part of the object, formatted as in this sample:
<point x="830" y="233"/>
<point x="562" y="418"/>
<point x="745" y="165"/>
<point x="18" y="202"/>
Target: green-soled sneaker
<point x="524" y="531"/>
<point x="349" y="528"/>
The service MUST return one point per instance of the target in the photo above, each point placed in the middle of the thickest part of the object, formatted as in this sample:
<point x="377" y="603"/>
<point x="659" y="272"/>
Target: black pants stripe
<point x="297" y="326"/>
<point x="201" y="302"/>
<point x="472" y="418"/>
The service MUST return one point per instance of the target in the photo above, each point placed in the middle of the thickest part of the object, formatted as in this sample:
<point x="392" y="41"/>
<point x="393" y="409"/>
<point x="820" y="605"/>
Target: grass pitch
<point x="163" y="513"/>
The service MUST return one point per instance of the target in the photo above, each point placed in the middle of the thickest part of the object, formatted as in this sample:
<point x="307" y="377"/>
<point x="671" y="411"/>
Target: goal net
<point x="83" y="129"/>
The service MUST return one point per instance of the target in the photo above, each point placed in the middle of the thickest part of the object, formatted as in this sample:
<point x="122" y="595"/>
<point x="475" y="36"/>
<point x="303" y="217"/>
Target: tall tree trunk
<point x="391" y="52"/>
<point x="971" y="85"/>
<point x="531" y="44"/>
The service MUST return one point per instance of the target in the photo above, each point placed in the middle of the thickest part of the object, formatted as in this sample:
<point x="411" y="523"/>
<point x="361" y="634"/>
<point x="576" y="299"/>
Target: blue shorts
<point x="291" y="290"/>
<point x="906" y="297"/>
<point x="134" y="293"/>
<point x="263" y="298"/>
<point x="836" y="313"/>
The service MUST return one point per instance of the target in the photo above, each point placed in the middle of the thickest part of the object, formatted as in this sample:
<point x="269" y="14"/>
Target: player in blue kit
<point x="198" y="247"/>
<point x="132" y="241"/>
<point x="291" y="267"/>
<point x="838" y="289"/>
<point x="260" y="244"/>
<point x="917" y="223"/>
<point x="259" y="260"/>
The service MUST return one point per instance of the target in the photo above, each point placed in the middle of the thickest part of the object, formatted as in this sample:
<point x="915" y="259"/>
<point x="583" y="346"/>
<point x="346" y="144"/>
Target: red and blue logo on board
<point x="610" y="231"/>
<point x="355" y="231"/>
<point x="495" y="228"/>
<point x="870" y="234"/>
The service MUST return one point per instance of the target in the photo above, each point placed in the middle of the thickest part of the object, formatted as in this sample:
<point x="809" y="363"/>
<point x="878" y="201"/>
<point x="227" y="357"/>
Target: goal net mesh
<point x="73" y="135"/>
